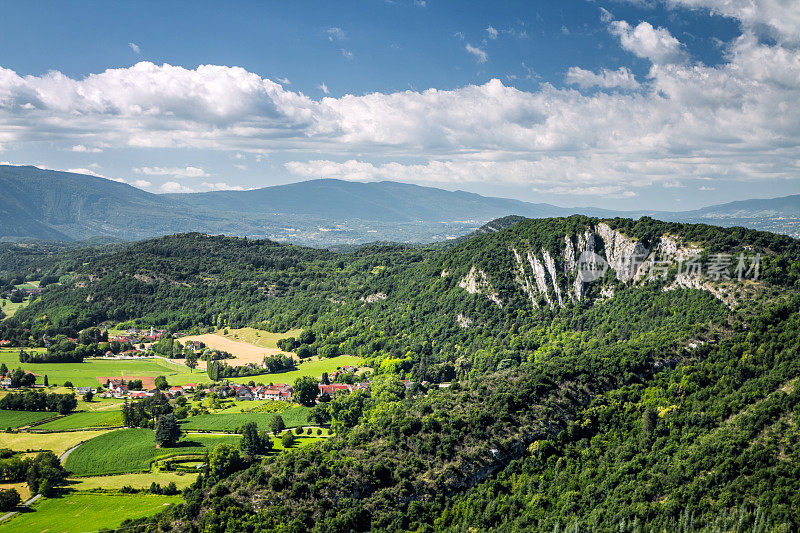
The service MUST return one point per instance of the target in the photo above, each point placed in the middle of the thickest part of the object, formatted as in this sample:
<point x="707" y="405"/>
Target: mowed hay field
<point x="89" y="419"/>
<point x="86" y="373"/>
<point x="137" y="481"/>
<point x="78" y="512"/>
<point x="229" y="422"/>
<point x="257" y="337"/>
<point x="133" y="450"/>
<point x="57" y="442"/>
<point x="15" y="419"/>
<point x="244" y="351"/>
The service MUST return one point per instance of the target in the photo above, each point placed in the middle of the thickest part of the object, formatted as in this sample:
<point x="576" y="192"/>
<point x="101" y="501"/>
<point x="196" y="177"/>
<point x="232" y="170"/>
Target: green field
<point x="77" y="512"/>
<point x="15" y="419"/>
<point x="228" y="422"/>
<point x="86" y="373"/>
<point x="137" y="481"/>
<point x="132" y="450"/>
<point x="9" y="308"/>
<point x="89" y="419"/>
<point x="57" y="442"/>
<point x="313" y="368"/>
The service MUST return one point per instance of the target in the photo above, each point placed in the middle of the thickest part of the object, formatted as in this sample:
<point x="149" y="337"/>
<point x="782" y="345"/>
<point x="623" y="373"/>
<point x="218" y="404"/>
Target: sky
<point x="638" y="104"/>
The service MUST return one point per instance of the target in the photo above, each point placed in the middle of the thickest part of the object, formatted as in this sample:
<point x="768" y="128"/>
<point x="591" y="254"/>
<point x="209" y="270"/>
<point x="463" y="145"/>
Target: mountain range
<point x="62" y="206"/>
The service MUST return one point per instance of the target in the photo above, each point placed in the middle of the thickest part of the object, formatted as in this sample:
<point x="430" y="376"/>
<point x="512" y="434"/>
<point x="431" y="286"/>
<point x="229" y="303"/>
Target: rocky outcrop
<point x="624" y="255"/>
<point x="477" y="282"/>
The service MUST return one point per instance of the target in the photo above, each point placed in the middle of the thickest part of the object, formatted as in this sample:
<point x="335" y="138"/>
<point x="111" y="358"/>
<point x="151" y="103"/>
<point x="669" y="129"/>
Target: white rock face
<point x="569" y="254"/>
<point x="551" y="269"/>
<point x="539" y="276"/>
<point x="477" y="282"/>
<point x="463" y="321"/>
<point x="522" y="279"/>
<point x="623" y="254"/>
<point x="372" y="298"/>
<point x="668" y="246"/>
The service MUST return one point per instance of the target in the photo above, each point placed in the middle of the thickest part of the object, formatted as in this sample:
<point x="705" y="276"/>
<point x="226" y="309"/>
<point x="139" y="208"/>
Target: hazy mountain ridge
<point x="53" y="205"/>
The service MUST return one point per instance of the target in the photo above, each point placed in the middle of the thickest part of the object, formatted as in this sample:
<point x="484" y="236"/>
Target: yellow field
<point x="22" y="488"/>
<point x="248" y="345"/>
<point x="137" y="481"/>
<point x="58" y="442"/>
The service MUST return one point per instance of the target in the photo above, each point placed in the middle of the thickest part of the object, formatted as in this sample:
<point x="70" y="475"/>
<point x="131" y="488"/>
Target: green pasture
<point x="15" y="419"/>
<point x="314" y="368"/>
<point x="229" y="422"/>
<point x="78" y="512"/>
<point x="88" y="419"/>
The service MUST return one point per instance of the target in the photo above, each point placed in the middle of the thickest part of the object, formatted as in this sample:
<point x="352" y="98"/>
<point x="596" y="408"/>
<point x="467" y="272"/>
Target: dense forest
<point x="639" y="405"/>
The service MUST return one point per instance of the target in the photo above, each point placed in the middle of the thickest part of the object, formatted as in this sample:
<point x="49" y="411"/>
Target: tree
<point x="88" y="396"/>
<point x="191" y="360"/>
<point x="254" y="442"/>
<point x="223" y="460"/>
<point x="161" y="383"/>
<point x="306" y="390"/>
<point x="46" y="381"/>
<point x="287" y="440"/>
<point x="325" y="380"/>
<point x="167" y="431"/>
<point x="9" y="499"/>
<point x="3" y="369"/>
<point x="277" y="424"/>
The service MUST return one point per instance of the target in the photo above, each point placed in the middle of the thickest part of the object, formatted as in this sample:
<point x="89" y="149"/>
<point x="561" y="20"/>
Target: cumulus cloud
<point x="222" y="186"/>
<point x="347" y="54"/>
<point x="141" y="183"/>
<point x="480" y="55"/>
<point x="84" y="149"/>
<point x="656" y="44"/>
<point x="182" y="172"/>
<point x="684" y="120"/>
<point x="492" y="32"/>
<point x="174" y="186"/>
<point x="622" y="78"/>
<point x="324" y="88"/>
<point x="135" y="48"/>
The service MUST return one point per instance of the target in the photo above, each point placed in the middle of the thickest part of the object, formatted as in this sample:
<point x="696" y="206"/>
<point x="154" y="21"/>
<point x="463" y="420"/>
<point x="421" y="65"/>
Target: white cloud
<point x="778" y="18"/>
<point x="284" y="81"/>
<point x="324" y="88"/>
<point x="347" y="54"/>
<point x="141" y="183"/>
<point x="492" y="32"/>
<point x="135" y="48"/>
<point x="655" y="44"/>
<point x="621" y="78"/>
<point x="336" y="34"/>
<point x="82" y="148"/>
<point x="480" y="55"/>
<point x="706" y="188"/>
<point x="184" y="172"/>
<point x="90" y="172"/>
<point x="174" y="186"/>
<point x="221" y="186"/>
<point x="459" y="35"/>
<point x="675" y="184"/>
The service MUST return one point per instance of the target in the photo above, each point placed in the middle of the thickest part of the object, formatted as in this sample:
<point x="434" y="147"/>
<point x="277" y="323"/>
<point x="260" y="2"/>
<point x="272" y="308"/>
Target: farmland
<point x="89" y="419"/>
<point x="86" y="373"/>
<point x="243" y="352"/>
<point x="133" y="450"/>
<point x="15" y="419"/>
<point x="314" y="368"/>
<point x="76" y="512"/>
<point x="137" y="481"/>
<point x="229" y="422"/>
<point x="57" y="442"/>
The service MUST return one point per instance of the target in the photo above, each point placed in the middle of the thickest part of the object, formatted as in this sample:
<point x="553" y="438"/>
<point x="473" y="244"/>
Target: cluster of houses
<point x="118" y="388"/>
<point x="137" y="335"/>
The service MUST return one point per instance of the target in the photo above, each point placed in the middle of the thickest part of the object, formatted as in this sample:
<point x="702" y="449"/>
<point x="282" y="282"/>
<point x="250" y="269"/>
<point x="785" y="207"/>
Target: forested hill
<point x="629" y="402"/>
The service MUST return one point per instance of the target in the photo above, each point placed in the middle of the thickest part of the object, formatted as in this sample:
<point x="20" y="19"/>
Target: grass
<point x="89" y="419"/>
<point x="77" y="512"/>
<point x="86" y="373"/>
<point x="10" y="308"/>
<point x="133" y="450"/>
<point x="229" y="422"/>
<point x="58" y="442"/>
<point x="314" y="368"/>
<point x="21" y="488"/>
<point x="137" y="481"/>
<point x="257" y="337"/>
<point x="15" y="419"/>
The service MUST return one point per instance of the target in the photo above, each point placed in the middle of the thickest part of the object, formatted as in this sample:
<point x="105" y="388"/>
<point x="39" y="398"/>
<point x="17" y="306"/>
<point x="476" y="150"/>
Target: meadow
<point x="78" y="512"/>
<point x="86" y="373"/>
<point x="133" y="450"/>
<point x="89" y="419"/>
<point x="15" y="419"/>
<point x="260" y="338"/>
<point x="229" y="422"/>
<point x="313" y="367"/>
<point x="57" y="442"/>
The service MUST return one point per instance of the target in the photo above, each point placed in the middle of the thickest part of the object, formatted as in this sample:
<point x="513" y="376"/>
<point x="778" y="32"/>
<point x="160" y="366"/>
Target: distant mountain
<point x="53" y="205"/>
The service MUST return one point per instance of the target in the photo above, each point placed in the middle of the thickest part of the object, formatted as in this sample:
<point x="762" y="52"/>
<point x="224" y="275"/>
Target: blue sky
<point x="668" y="104"/>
